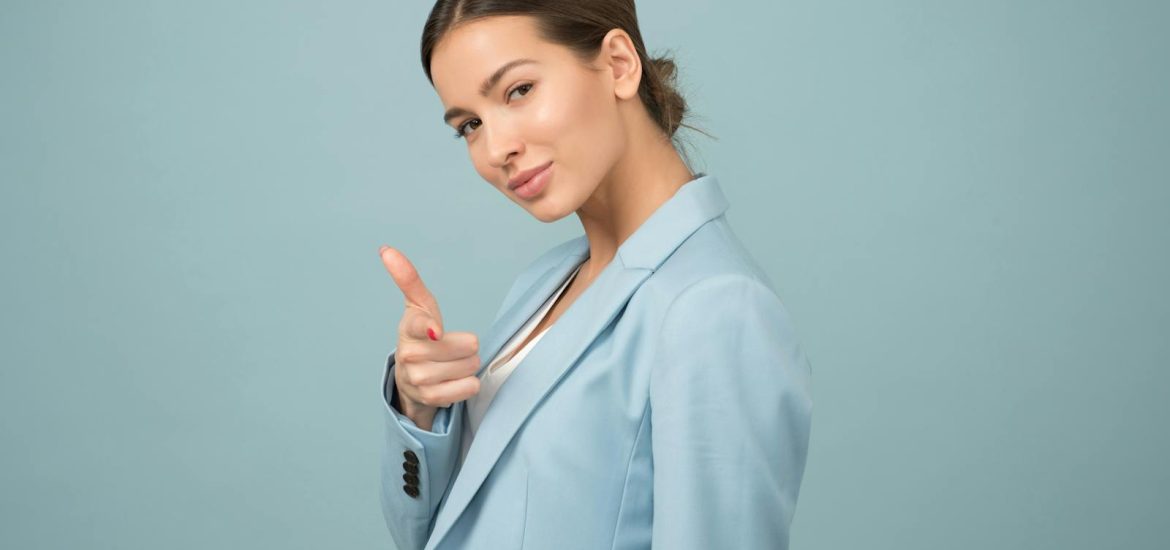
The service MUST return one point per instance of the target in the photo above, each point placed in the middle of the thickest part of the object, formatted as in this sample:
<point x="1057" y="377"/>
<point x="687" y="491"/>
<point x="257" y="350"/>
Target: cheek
<point x="579" y="132"/>
<point x="572" y="116"/>
<point x="548" y="121"/>
<point x="597" y="137"/>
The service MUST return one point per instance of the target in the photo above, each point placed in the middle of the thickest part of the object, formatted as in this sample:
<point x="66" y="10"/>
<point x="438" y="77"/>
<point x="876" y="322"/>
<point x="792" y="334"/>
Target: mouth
<point x="530" y="189"/>
<point x="524" y="177"/>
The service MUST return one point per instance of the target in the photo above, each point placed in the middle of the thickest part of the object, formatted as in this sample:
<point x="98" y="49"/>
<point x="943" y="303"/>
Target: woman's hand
<point x="433" y="369"/>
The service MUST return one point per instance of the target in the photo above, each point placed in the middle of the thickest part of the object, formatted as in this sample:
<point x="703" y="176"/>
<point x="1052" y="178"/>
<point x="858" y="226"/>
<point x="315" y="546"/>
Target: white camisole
<point x="498" y="370"/>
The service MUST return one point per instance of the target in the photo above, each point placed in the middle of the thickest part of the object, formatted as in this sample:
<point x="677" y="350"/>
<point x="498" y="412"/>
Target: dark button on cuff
<point x="410" y="456"/>
<point x="412" y="468"/>
<point x="410" y="479"/>
<point x="411" y="490"/>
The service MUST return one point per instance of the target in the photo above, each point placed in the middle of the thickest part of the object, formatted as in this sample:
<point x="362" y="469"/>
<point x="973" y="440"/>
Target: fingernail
<point x="431" y="333"/>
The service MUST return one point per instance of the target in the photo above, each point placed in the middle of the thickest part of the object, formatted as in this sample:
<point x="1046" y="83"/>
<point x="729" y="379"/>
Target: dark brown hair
<point x="579" y="26"/>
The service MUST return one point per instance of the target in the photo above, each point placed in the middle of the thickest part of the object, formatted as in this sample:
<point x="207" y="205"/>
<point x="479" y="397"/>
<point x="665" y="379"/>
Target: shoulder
<point x="710" y="294"/>
<point x="718" y="322"/>
<point x="710" y="263"/>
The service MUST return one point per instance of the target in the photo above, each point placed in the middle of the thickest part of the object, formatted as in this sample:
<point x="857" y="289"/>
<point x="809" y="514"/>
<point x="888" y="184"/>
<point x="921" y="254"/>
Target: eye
<point x="525" y="87"/>
<point x="461" y="132"/>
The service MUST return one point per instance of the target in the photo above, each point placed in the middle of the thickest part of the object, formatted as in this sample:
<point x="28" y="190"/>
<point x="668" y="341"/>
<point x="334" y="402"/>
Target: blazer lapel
<point x="695" y="203"/>
<point x="527" y="305"/>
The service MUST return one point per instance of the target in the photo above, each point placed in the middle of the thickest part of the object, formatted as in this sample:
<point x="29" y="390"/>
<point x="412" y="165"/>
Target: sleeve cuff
<point x="440" y="428"/>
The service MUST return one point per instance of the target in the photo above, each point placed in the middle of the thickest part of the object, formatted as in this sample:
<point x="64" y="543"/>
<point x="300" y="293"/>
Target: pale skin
<point x="611" y="165"/>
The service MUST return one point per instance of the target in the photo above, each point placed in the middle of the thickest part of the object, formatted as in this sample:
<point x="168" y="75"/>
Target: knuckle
<point x="409" y="354"/>
<point x="411" y="376"/>
<point x="426" y="395"/>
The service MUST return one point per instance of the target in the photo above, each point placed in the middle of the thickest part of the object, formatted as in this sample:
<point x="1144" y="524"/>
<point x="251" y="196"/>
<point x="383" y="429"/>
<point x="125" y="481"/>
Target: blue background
<point x="963" y="204"/>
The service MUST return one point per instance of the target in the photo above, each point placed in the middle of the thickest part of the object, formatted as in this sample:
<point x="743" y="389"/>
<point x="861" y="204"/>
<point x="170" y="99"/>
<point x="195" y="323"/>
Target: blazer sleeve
<point x="731" y="407"/>
<point x="413" y="457"/>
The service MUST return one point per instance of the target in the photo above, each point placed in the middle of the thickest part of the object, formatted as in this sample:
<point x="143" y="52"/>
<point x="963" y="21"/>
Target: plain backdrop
<point x="963" y="205"/>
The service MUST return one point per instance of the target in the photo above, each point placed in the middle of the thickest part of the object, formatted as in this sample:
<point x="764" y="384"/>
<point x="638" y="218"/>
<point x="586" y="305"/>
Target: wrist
<point x="422" y="415"/>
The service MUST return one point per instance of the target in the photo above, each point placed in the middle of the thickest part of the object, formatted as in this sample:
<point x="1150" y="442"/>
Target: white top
<point x="497" y="371"/>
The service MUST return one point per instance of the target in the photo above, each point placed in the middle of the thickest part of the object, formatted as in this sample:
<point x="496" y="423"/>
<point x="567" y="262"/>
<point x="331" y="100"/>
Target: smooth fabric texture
<point x="668" y="408"/>
<point x="497" y="372"/>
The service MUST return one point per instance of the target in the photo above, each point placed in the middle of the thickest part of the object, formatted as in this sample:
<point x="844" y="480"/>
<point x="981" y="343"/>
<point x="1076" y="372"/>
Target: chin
<point x="547" y="211"/>
<point x="546" y="216"/>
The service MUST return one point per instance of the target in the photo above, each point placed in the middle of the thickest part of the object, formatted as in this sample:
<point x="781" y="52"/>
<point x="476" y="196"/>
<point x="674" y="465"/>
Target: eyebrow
<point x="486" y="88"/>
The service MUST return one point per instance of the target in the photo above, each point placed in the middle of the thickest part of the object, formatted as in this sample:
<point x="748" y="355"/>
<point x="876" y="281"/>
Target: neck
<point x="648" y="174"/>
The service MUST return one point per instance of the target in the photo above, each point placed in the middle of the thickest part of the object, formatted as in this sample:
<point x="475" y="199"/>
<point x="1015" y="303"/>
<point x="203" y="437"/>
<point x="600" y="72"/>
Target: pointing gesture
<point x="433" y="368"/>
<point x="415" y="294"/>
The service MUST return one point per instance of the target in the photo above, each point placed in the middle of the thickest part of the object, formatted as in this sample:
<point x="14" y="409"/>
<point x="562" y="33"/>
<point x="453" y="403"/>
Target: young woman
<point x="642" y="386"/>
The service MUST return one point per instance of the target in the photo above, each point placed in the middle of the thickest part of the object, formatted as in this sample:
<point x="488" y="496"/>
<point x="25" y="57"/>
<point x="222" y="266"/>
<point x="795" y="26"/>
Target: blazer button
<point x="410" y="456"/>
<point x="410" y="479"/>
<point x="411" y="468"/>
<point x="411" y="490"/>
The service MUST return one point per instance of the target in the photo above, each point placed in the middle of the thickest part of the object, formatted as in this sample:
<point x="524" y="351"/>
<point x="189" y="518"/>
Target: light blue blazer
<point x="668" y="407"/>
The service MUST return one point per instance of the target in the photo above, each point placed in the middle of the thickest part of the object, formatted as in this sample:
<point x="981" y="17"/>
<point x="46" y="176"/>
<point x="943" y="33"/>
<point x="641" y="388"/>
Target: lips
<point x="523" y="177"/>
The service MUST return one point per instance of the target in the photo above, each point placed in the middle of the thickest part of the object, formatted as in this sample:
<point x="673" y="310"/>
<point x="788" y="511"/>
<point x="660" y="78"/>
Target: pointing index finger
<point x="407" y="278"/>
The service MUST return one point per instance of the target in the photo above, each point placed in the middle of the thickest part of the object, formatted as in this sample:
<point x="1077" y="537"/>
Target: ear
<point x="620" y="56"/>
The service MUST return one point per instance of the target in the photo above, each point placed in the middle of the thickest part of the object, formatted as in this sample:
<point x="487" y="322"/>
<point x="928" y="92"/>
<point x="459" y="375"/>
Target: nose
<point x="501" y="145"/>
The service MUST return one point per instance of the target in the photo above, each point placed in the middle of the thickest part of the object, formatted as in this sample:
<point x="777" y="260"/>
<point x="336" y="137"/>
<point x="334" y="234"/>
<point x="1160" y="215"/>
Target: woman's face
<point x="550" y="110"/>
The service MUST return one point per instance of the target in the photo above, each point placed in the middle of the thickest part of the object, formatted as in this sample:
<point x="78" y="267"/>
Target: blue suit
<point x="669" y="407"/>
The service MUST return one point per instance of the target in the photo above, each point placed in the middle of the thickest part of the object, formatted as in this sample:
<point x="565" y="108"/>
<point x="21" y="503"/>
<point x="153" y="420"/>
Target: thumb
<point x="414" y="292"/>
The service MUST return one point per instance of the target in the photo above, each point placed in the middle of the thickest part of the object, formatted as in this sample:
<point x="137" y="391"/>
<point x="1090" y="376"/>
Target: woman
<point x="642" y="385"/>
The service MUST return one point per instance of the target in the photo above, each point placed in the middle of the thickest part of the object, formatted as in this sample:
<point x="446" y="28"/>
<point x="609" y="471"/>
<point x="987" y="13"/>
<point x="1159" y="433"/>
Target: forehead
<point x="468" y="53"/>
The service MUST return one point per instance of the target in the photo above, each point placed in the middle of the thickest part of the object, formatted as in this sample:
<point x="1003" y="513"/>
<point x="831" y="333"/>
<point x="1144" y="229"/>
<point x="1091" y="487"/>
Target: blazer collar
<point x="694" y="204"/>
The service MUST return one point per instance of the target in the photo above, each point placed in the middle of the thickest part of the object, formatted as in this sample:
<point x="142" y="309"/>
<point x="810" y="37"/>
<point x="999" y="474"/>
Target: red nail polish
<point x="431" y="333"/>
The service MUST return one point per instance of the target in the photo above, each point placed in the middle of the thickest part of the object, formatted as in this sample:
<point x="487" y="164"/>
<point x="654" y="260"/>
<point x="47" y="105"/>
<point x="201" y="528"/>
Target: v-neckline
<point x="532" y="337"/>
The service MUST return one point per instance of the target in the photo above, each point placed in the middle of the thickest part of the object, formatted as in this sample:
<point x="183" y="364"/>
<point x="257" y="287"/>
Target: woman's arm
<point x="417" y="466"/>
<point x="731" y="406"/>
